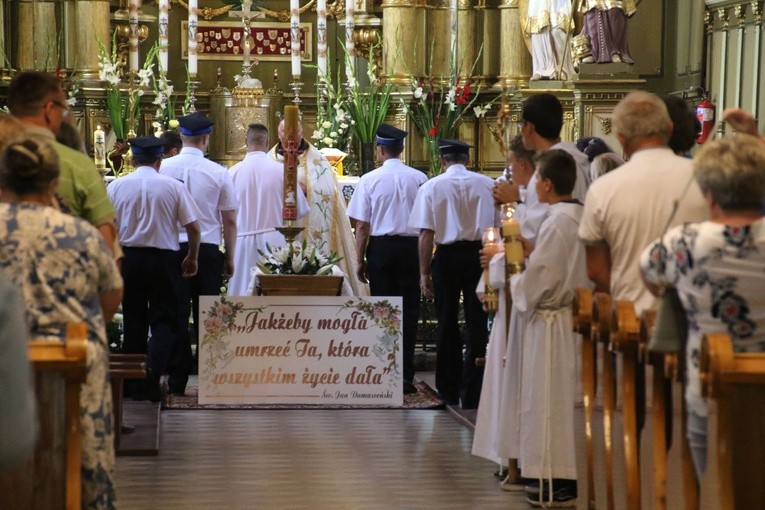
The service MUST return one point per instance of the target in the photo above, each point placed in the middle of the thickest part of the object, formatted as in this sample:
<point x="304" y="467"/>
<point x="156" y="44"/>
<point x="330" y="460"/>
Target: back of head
<point x="685" y="124"/>
<point x="558" y="166"/>
<point x="641" y="116"/>
<point x="28" y="90"/>
<point x="172" y="141"/>
<point x="521" y="152"/>
<point x="257" y="137"/>
<point x="604" y="163"/>
<point x="545" y="111"/>
<point x="732" y="170"/>
<point x="70" y="136"/>
<point x="592" y="147"/>
<point x="28" y="164"/>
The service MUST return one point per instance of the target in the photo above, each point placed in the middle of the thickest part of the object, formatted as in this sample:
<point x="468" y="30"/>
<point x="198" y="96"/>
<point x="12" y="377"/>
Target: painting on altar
<point x="224" y="40"/>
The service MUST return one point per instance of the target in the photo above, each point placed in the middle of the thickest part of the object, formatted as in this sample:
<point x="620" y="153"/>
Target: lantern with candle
<point x="491" y="239"/>
<point x="511" y="235"/>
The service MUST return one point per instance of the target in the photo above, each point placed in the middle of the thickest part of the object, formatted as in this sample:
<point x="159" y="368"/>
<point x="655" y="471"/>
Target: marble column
<point x="36" y="35"/>
<point x="515" y="59"/>
<point x="404" y="44"/>
<point x="82" y="45"/>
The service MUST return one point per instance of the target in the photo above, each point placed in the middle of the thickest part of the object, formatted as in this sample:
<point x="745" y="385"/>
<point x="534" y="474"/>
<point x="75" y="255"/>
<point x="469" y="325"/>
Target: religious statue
<point x="550" y="23"/>
<point x="604" y="30"/>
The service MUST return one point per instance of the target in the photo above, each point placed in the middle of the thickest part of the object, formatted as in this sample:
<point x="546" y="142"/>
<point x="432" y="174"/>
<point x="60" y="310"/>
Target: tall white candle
<point x="350" y="49"/>
<point x="453" y="33"/>
<point x="246" y="40"/>
<point x="99" y="147"/>
<point x="164" y="20"/>
<point x="133" y="8"/>
<point x="295" y="36"/>
<point x="321" y="37"/>
<point x="193" y="22"/>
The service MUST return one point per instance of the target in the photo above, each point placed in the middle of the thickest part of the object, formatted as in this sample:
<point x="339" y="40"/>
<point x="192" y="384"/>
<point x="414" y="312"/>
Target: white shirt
<point x="150" y="209"/>
<point x="457" y="205"/>
<point x="258" y="183"/>
<point x="384" y="198"/>
<point x="628" y="208"/>
<point x="210" y="186"/>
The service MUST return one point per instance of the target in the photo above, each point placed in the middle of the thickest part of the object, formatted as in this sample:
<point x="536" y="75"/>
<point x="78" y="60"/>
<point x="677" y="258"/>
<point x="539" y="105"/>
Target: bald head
<point x="281" y="132"/>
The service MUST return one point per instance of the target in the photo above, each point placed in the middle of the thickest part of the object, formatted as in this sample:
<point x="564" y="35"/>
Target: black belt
<point x="147" y="249"/>
<point x="461" y="244"/>
<point x="394" y="236"/>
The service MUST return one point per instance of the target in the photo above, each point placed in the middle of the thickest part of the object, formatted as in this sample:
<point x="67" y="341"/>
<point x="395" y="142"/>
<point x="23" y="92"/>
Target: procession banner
<point x="223" y="40"/>
<point x="300" y="350"/>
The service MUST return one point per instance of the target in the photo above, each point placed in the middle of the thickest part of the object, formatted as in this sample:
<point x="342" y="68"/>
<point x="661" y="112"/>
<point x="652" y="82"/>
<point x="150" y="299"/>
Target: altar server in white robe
<point x="543" y="294"/>
<point x="258" y="185"/>
<point x="327" y="225"/>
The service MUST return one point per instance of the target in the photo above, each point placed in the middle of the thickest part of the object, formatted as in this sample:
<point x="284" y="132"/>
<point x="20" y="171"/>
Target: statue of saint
<point x="604" y="24"/>
<point x="550" y="23"/>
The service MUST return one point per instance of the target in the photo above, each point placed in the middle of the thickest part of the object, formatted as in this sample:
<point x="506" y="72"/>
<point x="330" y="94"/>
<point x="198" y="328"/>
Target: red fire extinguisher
<point x="705" y="111"/>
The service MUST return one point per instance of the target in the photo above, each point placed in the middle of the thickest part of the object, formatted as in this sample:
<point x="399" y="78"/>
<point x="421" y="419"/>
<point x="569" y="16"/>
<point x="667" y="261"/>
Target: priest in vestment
<point x="605" y="24"/>
<point x="327" y="225"/>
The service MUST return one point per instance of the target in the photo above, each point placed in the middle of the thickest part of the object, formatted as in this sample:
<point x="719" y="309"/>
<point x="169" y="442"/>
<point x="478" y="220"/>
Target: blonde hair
<point x="732" y="170"/>
<point x="641" y="115"/>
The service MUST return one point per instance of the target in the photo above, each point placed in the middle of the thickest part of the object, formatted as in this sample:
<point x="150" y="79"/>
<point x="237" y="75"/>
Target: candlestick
<point x="511" y="233"/>
<point x="490" y="294"/>
<point x="295" y="37"/>
<point x="296" y="85"/>
<point x="164" y="20"/>
<point x="350" y="48"/>
<point x="321" y="37"/>
<point x="133" y="8"/>
<point x="289" y="196"/>
<point x="192" y="35"/>
<point x="99" y="147"/>
<point x="193" y="84"/>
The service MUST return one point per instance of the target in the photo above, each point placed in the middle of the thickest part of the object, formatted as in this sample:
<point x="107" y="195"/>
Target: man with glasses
<point x="37" y="99"/>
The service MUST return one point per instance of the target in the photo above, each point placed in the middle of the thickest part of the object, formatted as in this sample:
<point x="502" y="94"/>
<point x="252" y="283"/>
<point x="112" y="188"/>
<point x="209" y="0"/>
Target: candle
<point x="133" y="8"/>
<point x="292" y="141"/>
<point x="350" y="49"/>
<point x="511" y="233"/>
<point x="490" y="238"/>
<point x="99" y="147"/>
<point x="164" y="19"/>
<point x="490" y="294"/>
<point x="295" y="37"/>
<point x="321" y="37"/>
<point x="193" y="21"/>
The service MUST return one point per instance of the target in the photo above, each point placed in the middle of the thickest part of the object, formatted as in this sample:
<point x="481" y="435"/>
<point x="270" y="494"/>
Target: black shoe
<point x="563" y="495"/>
<point x="150" y="389"/>
<point x="501" y="473"/>
<point x="409" y="388"/>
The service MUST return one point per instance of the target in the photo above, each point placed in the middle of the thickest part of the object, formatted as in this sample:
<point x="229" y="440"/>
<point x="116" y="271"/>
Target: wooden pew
<point x="583" y="325"/>
<point x="121" y="367"/>
<point x="625" y="333"/>
<point x="601" y="334"/>
<point x="734" y="384"/>
<point x="51" y="480"/>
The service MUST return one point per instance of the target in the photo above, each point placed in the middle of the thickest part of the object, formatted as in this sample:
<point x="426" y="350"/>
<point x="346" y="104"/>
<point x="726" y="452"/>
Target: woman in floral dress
<point x="717" y="266"/>
<point x="65" y="274"/>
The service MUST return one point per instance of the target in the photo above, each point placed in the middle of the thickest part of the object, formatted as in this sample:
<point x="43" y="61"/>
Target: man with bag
<point x="628" y="208"/>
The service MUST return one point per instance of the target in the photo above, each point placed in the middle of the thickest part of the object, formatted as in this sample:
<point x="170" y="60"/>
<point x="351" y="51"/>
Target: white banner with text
<point x="300" y="350"/>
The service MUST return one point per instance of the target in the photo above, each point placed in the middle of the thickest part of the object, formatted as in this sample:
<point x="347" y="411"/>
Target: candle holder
<point x="296" y="85"/>
<point x="289" y="230"/>
<point x="490" y="294"/>
<point x="193" y="84"/>
<point x="511" y="235"/>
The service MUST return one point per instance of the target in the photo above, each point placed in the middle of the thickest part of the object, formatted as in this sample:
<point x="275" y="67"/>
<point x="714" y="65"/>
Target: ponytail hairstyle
<point x="28" y="164"/>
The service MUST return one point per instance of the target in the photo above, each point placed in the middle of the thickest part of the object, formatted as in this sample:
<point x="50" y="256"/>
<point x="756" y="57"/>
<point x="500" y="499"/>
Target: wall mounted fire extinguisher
<point x="705" y="111"/>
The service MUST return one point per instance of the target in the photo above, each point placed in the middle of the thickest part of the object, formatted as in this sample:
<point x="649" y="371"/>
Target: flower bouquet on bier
<point x="298" y="268"/>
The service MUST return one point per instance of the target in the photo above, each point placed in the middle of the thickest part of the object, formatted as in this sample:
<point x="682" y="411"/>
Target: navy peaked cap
<point x="453" y="147"/>
<point x="195" y="124"/>
<point x="390" y="136"/>
<point x="147" y="145"/>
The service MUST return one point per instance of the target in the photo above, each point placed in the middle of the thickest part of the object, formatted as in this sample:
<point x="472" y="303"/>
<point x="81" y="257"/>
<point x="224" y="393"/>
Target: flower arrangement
<point x="163" y="100"/>
<point x="123" y="109"/>
<point x="333" y="123"/>
<point x="297" y="258"/>
<point x="440" y="106"/>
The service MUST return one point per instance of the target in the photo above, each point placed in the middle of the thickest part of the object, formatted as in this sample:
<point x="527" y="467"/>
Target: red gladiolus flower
<point x="432" y="131"/>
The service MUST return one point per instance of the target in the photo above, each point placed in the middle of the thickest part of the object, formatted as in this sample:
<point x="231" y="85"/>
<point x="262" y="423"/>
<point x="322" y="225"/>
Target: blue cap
<point x="195" y="124"/>
<point x="390" y="136"/>
<point x="453" y="147"/>
<point x="147" y="145"/>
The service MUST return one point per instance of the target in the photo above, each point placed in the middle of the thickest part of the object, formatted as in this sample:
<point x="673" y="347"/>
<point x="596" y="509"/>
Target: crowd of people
<point x="180" y="226"/>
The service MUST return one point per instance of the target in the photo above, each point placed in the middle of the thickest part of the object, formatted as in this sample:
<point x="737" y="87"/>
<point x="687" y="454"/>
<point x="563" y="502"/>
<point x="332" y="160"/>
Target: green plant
<point x="368" y="106"/>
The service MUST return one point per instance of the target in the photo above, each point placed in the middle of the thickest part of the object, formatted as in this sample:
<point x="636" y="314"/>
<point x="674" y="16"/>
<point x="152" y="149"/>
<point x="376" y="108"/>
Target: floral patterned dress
<point x="719" y="272"/>
<point x="62" y="265"/>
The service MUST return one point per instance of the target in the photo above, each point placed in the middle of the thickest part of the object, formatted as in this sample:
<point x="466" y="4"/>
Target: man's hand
<point x="487" y="253"/>
<point x="189" y="267"/>
<point x="361" y="271"/>
<point x="426" y="286"/>
<point x="504" y="193"/>
<point x="228" y="268"/>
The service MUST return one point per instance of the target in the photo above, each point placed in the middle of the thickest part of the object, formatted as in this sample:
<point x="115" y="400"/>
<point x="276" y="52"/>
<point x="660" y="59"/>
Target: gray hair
<point x="604" y="163"/>
<point x="732" y="170"/>
<point x="642" y="115"/>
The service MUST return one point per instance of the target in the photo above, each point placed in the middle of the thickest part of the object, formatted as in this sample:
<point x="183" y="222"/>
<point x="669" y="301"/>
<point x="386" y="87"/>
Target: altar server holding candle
<point x="452" y="210"/>
<point x="543" y="294"/>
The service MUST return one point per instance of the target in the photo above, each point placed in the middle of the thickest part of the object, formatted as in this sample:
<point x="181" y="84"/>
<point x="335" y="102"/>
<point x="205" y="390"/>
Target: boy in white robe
<point x="543" y="294"/>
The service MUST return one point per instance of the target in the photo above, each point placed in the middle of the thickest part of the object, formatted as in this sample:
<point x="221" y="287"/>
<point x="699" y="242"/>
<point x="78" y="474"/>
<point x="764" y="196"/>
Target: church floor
<point x="318" y="459"/>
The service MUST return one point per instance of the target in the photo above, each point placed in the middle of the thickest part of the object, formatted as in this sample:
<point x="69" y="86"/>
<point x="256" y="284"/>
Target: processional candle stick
<point x="321" y="37"/>
<point x="350" y="47"/>
<point x="164" y="20"/>
<point x="289" y="194"/>
<point x="192" y="37"/>
<point x="133" y="8"/>
<point x="490" y="295"/>
<point x="247" y="40"/>
<point x="99" y="147"/>
<point x="295" y="38"/>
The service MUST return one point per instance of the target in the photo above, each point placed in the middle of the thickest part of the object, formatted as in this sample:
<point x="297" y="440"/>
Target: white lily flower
<point x="326" y="124"/>
<point x="418" y="93"/>
<point x="328" y="142"/>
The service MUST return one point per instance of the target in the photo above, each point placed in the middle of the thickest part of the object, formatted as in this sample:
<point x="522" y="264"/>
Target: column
<point x="489" y="25"/>
<point x="515" y="59"/>
<point x="36" y="37"/>
<point x="404" y="44"/>
<point x="82" y="45"/>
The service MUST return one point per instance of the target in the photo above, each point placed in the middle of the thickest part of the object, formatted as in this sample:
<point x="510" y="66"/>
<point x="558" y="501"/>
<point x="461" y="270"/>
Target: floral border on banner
<point x="272" y="39"/>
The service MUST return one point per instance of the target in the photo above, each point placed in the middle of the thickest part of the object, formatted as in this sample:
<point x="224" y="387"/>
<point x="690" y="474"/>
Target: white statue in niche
<point x="550" y="23"/>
